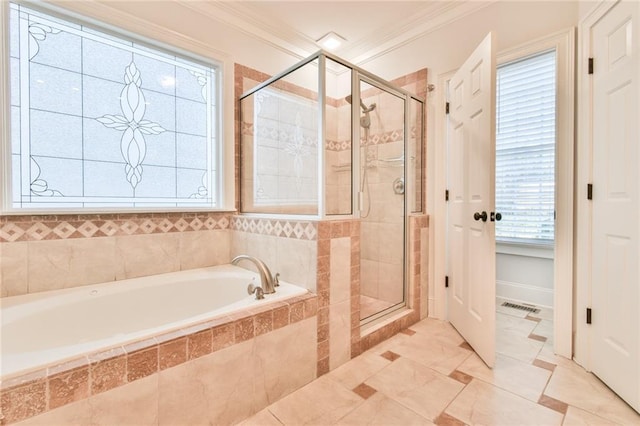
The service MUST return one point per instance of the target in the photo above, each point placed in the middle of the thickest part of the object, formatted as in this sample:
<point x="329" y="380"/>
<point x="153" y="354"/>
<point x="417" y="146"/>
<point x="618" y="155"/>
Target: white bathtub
<point x="45" y="328"/>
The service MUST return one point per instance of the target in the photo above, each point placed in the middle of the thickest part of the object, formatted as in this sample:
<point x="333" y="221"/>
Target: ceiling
<point x="371" y="28"/>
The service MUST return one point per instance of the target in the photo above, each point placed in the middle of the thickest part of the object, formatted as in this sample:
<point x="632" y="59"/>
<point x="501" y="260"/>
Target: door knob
<point x="478" y="216"/>
<point x="495" y="216"/>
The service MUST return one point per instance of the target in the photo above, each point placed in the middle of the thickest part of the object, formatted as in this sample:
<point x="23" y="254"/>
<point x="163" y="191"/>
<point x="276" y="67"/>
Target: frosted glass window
<point x="525" y="149"/>
<point x="98" y="120"/>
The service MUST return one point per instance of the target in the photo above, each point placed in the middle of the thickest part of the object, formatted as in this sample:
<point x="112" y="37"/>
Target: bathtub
<point x="44" y="329"/>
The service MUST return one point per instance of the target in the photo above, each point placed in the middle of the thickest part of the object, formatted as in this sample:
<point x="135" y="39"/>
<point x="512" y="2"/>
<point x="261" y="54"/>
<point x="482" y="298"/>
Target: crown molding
<point x="237" y="15"/>
<point x="279" y="34"/>
<point x="421" y="26"/>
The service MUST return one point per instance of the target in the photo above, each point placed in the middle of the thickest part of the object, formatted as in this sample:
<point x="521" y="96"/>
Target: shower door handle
<point x="478" y="216"/>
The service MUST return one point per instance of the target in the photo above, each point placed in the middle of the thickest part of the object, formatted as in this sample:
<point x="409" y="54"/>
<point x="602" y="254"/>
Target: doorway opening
<point x="525" y="199"/>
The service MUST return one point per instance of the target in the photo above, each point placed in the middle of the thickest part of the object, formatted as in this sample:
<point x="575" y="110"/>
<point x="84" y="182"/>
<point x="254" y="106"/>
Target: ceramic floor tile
<point x="415" y="386"/>
<point x="520" y="326"/>
<point x="513" y="344"/>
<point x="386" y="345"/>
<point x="545" y="314"/>
<point x="443" y="358"/>
<point x="483" y="404"/>
<point x="321" y="402"/>
<point x="578" y="417"/>
<point x="380" y="410"/>
<point x="546" y="354"/>
<point x="509" y="374"/>
<point x="580" y="389"/>
<point x="438" y="331"/>
<point x="262" y="418"/>
<point x="359" y="369"/>
<point x="544" y="328"/>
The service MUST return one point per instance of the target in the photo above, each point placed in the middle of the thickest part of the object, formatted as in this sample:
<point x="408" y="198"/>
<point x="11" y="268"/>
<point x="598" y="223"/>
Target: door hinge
<point x="446" y="108"/>
<point x="588" y="315"/>
<point x="589" y="191"/>
<point x="590" y="66"/>
<point x="446" y="195"/>
<point x="446" y="280"/>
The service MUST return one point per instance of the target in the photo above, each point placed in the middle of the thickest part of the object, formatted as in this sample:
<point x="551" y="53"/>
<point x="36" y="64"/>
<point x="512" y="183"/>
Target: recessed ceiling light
<point x="330" y="41"/>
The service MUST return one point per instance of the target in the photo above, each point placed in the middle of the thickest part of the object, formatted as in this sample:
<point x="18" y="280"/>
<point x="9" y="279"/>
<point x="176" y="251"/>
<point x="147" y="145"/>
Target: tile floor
<point x="428" y="375"/>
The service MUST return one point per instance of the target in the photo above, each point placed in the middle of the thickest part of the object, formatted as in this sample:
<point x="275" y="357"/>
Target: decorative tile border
<point x="296" y="229"/>
<point x="62" y="227"/>
<point x="344" y="145"/>
<point x="40" y="391"/>
<point x="375" y="139"/>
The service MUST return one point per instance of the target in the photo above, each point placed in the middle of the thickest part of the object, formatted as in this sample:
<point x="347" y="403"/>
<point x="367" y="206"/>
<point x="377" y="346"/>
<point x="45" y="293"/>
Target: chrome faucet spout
<point x="266" y="279"/>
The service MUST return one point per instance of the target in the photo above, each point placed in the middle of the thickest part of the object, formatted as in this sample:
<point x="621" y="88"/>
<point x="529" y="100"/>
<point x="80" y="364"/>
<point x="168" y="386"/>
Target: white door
<point x="615" y="353"/>
<point x="471" y="182"/>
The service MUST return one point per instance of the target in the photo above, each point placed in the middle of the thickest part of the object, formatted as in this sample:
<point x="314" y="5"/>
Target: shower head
<point x="349" y="98"/>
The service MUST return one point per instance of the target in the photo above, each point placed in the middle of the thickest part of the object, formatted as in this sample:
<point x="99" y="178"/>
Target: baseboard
<point x="518" y="292"/>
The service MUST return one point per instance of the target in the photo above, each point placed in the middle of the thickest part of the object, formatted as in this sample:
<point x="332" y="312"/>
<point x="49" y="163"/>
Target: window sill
<point x="543" y="251"/>
<point x="42" y="212"/>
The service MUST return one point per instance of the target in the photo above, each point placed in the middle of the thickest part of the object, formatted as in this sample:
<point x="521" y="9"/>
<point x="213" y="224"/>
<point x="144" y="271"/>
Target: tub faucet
<point x="268" y="283"/>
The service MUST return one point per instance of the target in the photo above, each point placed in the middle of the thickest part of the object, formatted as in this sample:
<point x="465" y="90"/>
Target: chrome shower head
<point x="349" y="98"/>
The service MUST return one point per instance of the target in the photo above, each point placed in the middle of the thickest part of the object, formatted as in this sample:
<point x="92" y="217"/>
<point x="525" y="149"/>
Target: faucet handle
<point x="276" y="280"/>
<point x="257" y="290"/>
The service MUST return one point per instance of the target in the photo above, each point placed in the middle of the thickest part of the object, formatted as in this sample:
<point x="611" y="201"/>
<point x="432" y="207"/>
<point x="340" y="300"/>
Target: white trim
<point x="527" y="250"/>
<point x="107" y="18"/>
<point x="5" y="102"/>
<point x="539" y="296"/>
<point x="284" y="37"/>
<point x="584" y="169"/>
<point x="563" y="42"/>
<point x="436" y="204"/>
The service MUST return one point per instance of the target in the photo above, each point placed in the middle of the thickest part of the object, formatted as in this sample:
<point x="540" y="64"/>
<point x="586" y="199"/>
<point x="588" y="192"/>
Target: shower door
<point x="381" y="200"/>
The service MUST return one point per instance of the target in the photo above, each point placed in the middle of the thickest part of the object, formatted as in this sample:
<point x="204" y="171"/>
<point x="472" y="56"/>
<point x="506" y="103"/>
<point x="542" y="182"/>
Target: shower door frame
<point x="357" y="79"/>
<point x="358" y="74"/>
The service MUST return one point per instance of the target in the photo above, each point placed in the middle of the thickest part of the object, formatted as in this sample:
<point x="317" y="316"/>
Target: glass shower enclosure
<point x="327" y="140"/>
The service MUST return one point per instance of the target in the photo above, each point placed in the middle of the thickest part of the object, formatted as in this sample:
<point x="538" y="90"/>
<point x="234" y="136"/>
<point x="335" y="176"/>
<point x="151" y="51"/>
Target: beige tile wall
<point x="293" y="256"/>
<point x="340" y="302"/>
<point x="42" y="253"/>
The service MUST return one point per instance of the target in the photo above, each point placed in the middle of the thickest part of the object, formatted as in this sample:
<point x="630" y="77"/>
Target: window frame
<point x="534" y="242"/>
<point x="100" y="18"/>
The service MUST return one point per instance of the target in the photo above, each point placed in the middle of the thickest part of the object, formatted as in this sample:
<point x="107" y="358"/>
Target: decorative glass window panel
<point x="525" y="149"/>
<point x="101" y="121"/>
<point x="285" y="149"/>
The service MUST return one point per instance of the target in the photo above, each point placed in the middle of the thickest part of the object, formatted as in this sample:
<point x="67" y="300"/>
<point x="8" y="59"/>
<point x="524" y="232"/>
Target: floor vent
<point x="521" y="307"/>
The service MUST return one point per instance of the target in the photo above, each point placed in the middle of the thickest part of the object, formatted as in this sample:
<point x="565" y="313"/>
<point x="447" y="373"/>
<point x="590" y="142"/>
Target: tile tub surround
<point x="334" y="248"/>
<point x="77" y="380"/>
<point x="41" y="253"/>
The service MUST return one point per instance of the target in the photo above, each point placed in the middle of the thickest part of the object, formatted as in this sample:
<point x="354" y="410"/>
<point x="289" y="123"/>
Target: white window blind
<point x="525" y="149"/>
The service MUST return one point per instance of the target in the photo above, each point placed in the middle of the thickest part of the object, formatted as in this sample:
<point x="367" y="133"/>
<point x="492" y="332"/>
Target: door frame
<point x="564" y="43"/>
<point x="584" y="175"/>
